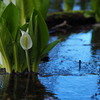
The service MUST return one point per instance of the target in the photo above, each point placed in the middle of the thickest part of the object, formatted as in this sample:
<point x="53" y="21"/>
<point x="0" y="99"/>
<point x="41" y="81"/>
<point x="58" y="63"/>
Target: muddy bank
<point x="68" y="20"/>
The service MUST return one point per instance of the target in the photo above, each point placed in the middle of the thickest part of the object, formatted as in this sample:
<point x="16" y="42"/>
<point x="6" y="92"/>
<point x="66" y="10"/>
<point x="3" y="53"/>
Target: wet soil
<point x="68" y="20"/>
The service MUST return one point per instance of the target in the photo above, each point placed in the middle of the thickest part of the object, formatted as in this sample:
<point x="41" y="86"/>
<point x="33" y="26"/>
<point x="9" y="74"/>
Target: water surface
<point x="60" y="78"/>
<point x="61" y="74"/>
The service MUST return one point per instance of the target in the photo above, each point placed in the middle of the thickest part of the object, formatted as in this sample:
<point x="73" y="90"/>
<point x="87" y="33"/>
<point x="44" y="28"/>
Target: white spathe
<point x="25" y="40"/>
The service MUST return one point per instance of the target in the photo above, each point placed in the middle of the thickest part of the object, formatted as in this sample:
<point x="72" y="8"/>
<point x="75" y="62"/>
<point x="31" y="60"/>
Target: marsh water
<point x="72" y="72"/>
<point x="60" y="78"/>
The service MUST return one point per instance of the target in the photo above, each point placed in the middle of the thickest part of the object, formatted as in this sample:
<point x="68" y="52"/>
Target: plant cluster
<point x="23" y="43"/>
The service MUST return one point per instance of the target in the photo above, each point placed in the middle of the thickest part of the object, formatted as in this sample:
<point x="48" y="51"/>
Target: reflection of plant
<point x="4" y="80"/>
<point x="13" y="56"/>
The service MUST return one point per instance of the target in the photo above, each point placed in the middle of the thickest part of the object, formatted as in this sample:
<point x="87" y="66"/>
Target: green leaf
<point x="39" y="32"/>
<point x="26" y="8"/>
<point x="45" y="6"/>
<point x="50" y="46"/>
<point x="5" y="46"/>
<point x="13" y="56"/>
<point x="2" y="7"/>
<point x="10" y="15"/>
<point x="42" y="6"/>
<point x="21" y="7"/>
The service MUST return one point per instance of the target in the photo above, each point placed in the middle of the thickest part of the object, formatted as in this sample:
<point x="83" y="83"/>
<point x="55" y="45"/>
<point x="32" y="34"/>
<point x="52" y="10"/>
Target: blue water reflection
<point x="72" y="87"/>
<point x="64" y="58"/>
<point x="61" y="76"/>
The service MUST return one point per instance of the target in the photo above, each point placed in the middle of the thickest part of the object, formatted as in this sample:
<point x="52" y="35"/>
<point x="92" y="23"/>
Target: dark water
<point x="23" y="87"/>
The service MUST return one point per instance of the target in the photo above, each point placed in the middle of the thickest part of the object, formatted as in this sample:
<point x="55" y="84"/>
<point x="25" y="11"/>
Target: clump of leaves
<point x="26" y="8"/>
<point x="12" y="54"/>
<point x="39" y="32"/>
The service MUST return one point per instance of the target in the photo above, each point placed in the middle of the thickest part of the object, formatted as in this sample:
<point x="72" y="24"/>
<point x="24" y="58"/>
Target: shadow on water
<point x="23" y="87"/>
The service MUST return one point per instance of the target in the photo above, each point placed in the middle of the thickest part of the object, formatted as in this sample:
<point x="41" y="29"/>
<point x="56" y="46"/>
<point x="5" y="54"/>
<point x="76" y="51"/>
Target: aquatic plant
<point x="26" y="7"/>
<point x="39" y="32"/>
<point x="68" y="5"/>
<point x="13" y="56"/>
<point x="8" y="36"/>
<point x="96" y="9"/>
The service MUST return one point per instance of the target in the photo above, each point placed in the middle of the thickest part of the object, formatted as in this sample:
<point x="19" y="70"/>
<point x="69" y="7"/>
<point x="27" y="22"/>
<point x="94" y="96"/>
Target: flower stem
<point x="27" y="59"/>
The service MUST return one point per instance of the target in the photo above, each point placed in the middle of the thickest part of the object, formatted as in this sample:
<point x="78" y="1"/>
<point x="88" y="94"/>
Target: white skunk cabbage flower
<point x="25" y="40"/>
<point x="26" y="43"/>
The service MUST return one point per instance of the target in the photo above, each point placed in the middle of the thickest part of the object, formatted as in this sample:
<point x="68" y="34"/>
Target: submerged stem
<point x="27" y="59"/>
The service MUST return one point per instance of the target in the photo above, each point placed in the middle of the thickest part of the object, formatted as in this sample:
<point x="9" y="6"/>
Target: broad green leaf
<point x="26" y="8"/>
<point x="45" y="6"/>
<point x="5" y="46"/>
<point x="43" y="31"/>
<point x="12" y="53"/>
<point x="10" y="15"/>
<point x="42" y="6"/>
<point x="39" y="32"/>
<point x="21" y="7"/>
<point x="2" y="7"/>
<point x="49" y="47"/>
